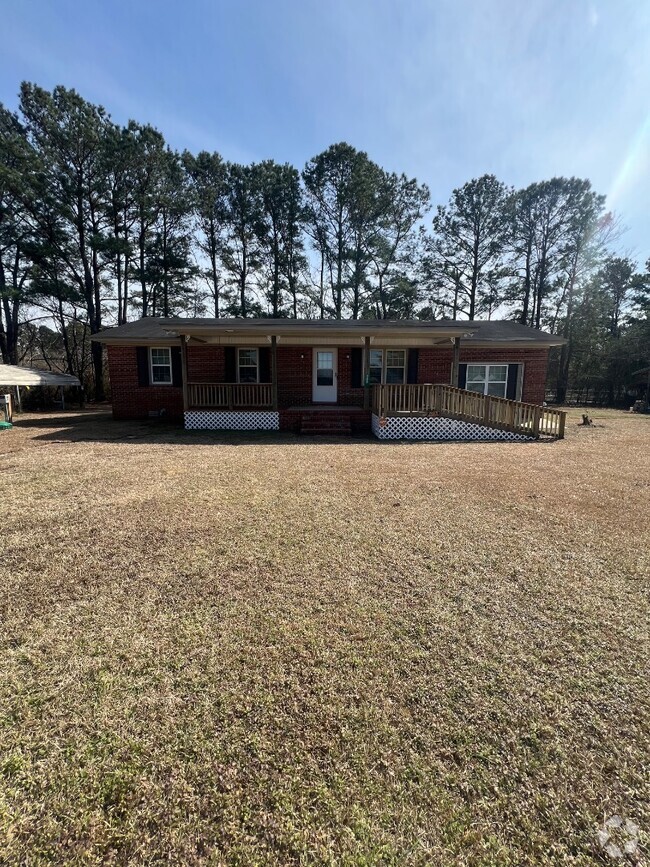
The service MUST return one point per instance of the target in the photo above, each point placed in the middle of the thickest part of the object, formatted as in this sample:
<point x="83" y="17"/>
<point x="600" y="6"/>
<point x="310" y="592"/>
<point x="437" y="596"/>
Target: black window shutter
<point x="511" y="387"/>
<point x="142" y="359"/>
<point x="265" y="364"/>
<point x="230" y="354"/>
<point x="462" y="375"/>
<point x="356" y="367"/>
<point x="177" y="367"/>
<point x="412" y="370"/>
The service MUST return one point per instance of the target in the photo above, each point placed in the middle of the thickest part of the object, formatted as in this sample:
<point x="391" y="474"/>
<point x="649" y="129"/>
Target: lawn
<point x="273" y="650"/>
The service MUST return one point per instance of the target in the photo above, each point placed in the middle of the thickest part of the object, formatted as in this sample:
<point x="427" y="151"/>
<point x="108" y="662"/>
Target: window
<point x="387" y="366"/>
<point x="376" y="366"/>
<point x="247" y="365"/>
<point x="324" y="368"/>
<point x="161" y="366"/>
<point x="487" y="379"/>
<point x="395" y="366"/>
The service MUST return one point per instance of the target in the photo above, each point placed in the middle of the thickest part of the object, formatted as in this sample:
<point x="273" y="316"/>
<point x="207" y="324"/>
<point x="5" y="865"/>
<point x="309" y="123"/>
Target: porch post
<point x="184" y="372"/>
<point x="274" y="370"/>
<point x="366" y="372"/>
<point x="456" y="362"/>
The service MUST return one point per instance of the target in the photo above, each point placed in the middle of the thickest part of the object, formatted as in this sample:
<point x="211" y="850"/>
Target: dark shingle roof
<point x="155" y="328"/>
<point x="503" y="330"/>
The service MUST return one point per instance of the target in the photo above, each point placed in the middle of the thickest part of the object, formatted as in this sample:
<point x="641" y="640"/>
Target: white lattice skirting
<point x="419" y="428"/>
<point x="233" y="420"/>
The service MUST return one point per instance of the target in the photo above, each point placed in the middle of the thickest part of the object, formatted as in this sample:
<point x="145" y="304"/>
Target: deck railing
<point x="458" y="403"/>
<point x="227" y="395"/>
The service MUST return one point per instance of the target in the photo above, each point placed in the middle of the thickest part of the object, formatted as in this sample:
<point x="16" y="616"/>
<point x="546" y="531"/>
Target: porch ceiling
<point x="328" y="339"/>
<point x="320" y="330"/>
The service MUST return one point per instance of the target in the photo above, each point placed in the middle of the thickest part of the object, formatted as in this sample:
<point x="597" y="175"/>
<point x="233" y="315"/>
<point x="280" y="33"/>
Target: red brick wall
<point x="434" y="365"/>
<point x="295" y="365"/>
<point x="207" y="364"/>
<point x="131" y="400"/>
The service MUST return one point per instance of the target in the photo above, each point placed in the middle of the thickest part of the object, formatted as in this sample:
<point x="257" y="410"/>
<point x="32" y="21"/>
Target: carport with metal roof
<point x="25" y="377"/>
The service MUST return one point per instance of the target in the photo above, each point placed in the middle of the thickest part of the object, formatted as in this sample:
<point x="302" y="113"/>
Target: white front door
<point x="325" y="376"/>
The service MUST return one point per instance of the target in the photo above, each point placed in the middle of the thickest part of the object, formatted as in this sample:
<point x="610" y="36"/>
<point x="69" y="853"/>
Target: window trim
<point x="168" y="350"/>
<point x="256" y="350"/>
<point x="384" y="356"/>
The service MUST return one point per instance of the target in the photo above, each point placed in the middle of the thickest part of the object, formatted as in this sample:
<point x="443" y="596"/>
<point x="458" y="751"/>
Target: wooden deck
<point x="398" y="400"/>
<point x="470" y="406"/>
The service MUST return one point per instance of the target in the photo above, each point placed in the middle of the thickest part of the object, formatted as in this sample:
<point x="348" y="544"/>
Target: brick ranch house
<point x="399" y="378"/>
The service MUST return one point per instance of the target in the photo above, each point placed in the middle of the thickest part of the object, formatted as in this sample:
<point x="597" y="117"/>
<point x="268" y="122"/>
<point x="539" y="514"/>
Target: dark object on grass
<point x="586" y="420"/>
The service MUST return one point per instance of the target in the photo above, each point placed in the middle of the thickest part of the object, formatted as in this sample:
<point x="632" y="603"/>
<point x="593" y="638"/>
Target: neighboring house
<point x="400" y="378"/>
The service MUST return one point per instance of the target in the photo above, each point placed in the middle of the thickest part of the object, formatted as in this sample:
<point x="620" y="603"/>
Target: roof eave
<point x="323" y="334"/>
<point x="518" y="344"/>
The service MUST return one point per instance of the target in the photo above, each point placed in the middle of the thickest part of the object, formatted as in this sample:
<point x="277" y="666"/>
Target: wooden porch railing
<point x="228" y="395"/>
<point x="458" y="403"/>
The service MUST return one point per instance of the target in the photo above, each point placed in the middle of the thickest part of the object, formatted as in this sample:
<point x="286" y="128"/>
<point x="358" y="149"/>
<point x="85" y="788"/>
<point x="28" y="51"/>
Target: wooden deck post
<point x="184" y="373"/>
<point x="274" y="371"/>
<point x="537" y="416"/>
<point x="486" y="409"/>
<point x="366" y="372"/>
<point x="456" y="362"/>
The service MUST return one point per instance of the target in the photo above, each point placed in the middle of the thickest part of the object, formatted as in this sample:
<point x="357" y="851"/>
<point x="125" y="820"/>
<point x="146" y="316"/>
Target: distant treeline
<point x="101" y="223"/>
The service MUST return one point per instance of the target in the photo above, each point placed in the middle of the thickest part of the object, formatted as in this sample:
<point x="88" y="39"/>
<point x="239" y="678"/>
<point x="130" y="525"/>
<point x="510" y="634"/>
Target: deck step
<point x="325" y="424"/>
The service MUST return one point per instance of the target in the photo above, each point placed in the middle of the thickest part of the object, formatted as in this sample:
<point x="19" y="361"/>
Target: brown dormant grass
<point x="264" y="650"/>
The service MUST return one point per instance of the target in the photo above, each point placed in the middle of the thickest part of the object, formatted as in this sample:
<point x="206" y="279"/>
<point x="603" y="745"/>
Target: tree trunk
<point x="9" y="330"/>
<point x="165" y="308"/>
<point x="215" y="281"/>
<point x="142" y="241"/>
<point x="474" y="283"/>
<point x="527" y="284"/>
<point x="276" y="279"/>
<point x="338" y="295"/>
<point x="91" y="292"/>
<point x="244" y="274"/>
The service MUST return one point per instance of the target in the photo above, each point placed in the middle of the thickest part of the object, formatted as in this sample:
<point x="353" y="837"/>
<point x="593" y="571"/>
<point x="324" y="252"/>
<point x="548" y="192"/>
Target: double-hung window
<point x="248" y="368"/>
<point x="161" y="365"/>
<point x="387" y="366"/>
<point x="487" y="379"/>
<point x="395" y="366"/>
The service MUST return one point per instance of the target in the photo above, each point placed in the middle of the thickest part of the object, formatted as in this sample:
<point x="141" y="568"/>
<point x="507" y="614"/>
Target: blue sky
<point x="444" y="90"/>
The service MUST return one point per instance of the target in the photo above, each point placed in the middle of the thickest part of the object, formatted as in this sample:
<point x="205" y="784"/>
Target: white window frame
<point x="486" y="380"/>
<point x="256" y="350"/>
<point x="384" y="358"/>
<point x="168" y="350"/>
